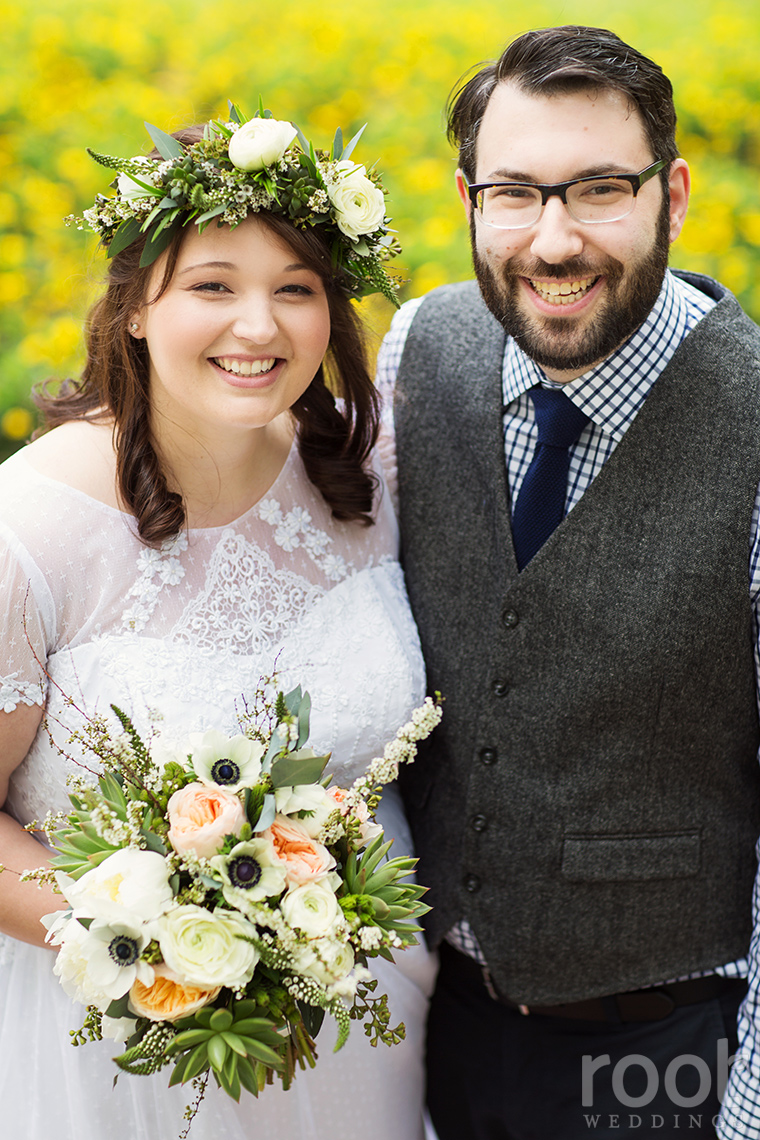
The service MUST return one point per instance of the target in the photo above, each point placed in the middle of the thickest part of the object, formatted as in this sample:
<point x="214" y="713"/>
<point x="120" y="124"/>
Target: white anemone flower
<point x="100" y="963"/>
<point x="230" y="762"/>
<point x="251" y="873"/>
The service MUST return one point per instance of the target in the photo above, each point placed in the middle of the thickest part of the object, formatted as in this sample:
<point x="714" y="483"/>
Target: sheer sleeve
<point x="26" y="626"/>
<point x="388" y="360"/>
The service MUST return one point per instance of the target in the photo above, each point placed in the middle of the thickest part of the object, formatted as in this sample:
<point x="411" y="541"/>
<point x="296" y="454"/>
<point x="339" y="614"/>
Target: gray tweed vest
<point x="591" y="801"/>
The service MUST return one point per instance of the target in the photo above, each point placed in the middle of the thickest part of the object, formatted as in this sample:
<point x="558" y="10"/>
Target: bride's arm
<point x="21" y="904"/>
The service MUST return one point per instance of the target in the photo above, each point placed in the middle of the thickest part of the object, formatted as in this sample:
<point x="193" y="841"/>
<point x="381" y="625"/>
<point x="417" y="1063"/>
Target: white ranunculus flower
<point x="325" y="959"/>
<point x="311" y="798"/>
<point x="259" y="143"/>
<point x="71" y="966"/>
<point x="130" y="885"/>
<point x="231" y="762"/>
<point x="118" y="1029"/>
<point x="359" y="204"/>
<point x="313" y="909"/>
<point x="207" y="948"/>
<point x="128" y="188"/>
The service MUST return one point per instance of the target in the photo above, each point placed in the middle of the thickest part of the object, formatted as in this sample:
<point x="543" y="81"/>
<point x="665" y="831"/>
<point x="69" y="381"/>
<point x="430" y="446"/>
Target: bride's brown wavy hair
<point x="334" y="443"/>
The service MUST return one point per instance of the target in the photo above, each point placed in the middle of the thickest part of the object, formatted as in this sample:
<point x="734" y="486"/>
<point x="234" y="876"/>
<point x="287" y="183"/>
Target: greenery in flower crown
<point x="242" y="167"/>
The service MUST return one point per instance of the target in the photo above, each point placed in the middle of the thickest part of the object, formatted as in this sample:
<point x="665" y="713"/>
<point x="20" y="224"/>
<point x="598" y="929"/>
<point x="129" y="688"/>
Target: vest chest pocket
<point x="623" y="858"/>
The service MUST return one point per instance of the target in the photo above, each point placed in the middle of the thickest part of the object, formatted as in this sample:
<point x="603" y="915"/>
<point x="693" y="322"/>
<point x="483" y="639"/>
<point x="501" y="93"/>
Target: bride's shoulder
<point x="80" y="455"/>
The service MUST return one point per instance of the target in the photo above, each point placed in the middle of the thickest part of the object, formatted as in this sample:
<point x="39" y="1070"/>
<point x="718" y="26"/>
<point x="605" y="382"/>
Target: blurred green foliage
<point x="78" y="73"/>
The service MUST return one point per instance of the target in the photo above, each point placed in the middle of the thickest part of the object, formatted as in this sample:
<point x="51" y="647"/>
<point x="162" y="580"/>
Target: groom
<point x="583" y="563"/>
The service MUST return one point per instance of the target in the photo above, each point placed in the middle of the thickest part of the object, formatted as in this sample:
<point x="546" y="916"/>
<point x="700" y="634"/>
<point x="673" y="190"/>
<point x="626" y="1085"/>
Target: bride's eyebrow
<point x="297" y="267"/>
<point x="206" y="265"/>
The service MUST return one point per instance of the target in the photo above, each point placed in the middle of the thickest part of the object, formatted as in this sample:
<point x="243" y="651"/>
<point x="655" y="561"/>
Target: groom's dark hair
<point x="559" y="61"/>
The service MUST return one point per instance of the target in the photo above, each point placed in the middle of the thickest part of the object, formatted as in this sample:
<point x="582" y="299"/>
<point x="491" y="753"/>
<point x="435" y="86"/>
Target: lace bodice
<point x="182" y="635"/>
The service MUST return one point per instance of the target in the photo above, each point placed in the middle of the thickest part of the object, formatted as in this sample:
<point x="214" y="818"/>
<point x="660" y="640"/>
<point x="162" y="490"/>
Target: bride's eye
<point x="296" y="289"/>
<point x="210" y="287"/>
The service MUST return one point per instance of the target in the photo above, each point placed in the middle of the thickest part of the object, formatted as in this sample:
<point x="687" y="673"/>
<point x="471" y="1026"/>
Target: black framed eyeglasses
<point x="590" y="200"/>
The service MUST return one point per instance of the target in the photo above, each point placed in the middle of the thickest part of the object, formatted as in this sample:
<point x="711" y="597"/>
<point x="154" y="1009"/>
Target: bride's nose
<point x="255" y="321"/>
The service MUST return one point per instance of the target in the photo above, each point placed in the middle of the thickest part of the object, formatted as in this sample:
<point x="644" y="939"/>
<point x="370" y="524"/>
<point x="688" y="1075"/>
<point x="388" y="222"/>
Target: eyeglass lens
<point x="511" y="206"/>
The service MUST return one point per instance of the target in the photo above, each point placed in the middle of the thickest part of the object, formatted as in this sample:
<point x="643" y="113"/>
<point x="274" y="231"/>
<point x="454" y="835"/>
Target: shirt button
<point x="499" y="688"/>
<point x="472" y="884"/>
<point x="479" y="823"/>
<point x="510" y="618"/>
<point x="488" y="755"/>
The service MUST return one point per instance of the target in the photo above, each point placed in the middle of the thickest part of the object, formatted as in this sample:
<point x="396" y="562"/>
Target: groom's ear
<point x="461" y="186"/>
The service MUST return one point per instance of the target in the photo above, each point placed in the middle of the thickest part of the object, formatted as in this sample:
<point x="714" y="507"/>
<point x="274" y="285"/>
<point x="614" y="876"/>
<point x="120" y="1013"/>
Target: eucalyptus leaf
<point x="290" y="770"/>
<point x="267" y="814"/>
<point x="349" y="147"/>
<point x="153" y="841"/>
<point x="278" y="742"/>
<point x="304" y="709"/>
<point x="303" y="142"/>
<point x="236" y="115"/>
<point x="166" y="146"/>
<point x="337" y="146"/>
<point x="293" y="700"/>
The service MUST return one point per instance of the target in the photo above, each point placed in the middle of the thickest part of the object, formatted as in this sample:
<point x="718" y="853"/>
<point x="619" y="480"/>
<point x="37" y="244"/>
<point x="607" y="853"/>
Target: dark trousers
<point x="496" y="1074"/>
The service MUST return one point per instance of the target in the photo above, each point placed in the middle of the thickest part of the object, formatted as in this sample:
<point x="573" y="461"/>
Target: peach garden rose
<point x="168" y="998"/>
<point x="200" y="817"/>
<point x="305" y="860"/>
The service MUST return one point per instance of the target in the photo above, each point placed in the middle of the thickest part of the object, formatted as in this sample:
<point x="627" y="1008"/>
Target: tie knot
<point x="559" y="421"/>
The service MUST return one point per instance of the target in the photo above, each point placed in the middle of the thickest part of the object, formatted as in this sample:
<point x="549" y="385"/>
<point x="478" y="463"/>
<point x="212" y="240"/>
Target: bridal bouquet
<point x="223" y="896"/>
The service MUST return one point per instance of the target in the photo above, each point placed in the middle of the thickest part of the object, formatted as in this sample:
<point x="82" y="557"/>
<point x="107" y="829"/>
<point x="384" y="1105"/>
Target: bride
<point x="202" y="513"/>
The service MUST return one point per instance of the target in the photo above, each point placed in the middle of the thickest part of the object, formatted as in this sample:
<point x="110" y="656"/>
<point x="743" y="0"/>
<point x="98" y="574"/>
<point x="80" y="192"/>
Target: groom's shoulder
<point x="462" y="296"/>
<point x="452" y="314"/>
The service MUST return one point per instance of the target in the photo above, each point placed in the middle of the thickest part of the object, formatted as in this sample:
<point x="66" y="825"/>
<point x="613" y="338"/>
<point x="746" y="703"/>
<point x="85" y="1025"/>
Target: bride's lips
<point x="248" y="372"/>
<point x="563" y="297"/>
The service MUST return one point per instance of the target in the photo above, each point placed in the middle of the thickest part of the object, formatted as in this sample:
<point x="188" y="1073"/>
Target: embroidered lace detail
<point x="247" y="605"/>
<point x="295" y="529"/>
<point x="14" y="693"/>
<point x="157" y="568"/>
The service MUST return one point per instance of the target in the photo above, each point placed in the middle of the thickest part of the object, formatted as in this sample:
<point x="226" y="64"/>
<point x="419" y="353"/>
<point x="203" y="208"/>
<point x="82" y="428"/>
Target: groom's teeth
<point x="563" y="292"/>
<point x="246" y="367"/>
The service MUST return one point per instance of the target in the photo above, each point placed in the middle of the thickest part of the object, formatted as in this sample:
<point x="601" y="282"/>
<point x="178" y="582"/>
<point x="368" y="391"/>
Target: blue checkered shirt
<point x="610" y="395"/>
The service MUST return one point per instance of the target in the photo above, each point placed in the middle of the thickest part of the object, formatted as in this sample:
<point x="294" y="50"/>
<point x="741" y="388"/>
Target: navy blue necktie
<point x="540" y="506"/>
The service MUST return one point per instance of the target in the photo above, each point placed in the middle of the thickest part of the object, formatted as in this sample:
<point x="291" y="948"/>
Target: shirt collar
<point x="612" y="392"/>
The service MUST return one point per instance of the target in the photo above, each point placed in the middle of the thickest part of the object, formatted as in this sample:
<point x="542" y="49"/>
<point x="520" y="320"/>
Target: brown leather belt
<point x="652" y="1004"/>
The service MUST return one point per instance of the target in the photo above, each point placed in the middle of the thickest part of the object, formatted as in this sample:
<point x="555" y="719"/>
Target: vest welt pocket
<point x="620" y="858"/>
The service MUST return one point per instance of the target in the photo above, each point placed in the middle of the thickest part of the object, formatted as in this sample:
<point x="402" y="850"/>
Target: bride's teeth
<point x="562" y="292"/>
<point x="246" y="367"/>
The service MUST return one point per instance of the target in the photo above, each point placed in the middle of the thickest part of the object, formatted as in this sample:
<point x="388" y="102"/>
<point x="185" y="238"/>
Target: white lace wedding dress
<point x="184" y="632"/>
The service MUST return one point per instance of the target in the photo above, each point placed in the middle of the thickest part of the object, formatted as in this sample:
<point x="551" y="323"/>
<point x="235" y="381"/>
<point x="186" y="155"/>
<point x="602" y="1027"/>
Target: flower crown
<point x="242" y="167"/>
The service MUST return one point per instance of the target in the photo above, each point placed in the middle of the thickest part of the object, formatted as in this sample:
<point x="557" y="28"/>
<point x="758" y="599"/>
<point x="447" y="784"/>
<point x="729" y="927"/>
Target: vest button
<point x="479" y="823"/>
<point x="472" y="884"/>
<point x="488" y="755"/>
<point x="510" y="618"/>
<point x="499" y="688"/>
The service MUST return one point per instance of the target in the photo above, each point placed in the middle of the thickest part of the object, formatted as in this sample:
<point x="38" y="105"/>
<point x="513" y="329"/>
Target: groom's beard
<point x="563" y="343"/>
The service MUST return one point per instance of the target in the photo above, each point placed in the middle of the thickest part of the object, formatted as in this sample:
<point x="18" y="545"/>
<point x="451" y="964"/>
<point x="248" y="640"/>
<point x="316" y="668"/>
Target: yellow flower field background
<point x="79" y="73"/>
